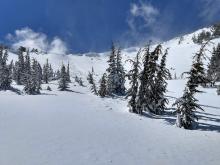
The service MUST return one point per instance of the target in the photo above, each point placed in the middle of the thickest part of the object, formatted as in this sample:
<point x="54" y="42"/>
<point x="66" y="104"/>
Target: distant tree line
<point x="29" y="72"/>
<point x="206" y="35"/>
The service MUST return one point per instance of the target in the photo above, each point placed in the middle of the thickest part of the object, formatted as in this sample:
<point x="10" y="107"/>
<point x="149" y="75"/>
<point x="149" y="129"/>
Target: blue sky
<point x="91" y="25"/>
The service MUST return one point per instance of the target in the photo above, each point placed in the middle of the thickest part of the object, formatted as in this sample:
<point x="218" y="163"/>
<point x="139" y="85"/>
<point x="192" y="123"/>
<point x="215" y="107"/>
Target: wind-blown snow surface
<point x="65" y="128"/>
<point x="80" y="128"/>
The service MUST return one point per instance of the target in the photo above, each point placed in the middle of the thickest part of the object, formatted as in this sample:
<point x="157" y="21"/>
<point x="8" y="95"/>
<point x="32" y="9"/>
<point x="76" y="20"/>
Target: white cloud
<point x="57" y="46"/>
<point x="144" y="11"/>
<point x="142" y="20"/>
<point x="209" y="10"/>
<point x="28" y="38"/>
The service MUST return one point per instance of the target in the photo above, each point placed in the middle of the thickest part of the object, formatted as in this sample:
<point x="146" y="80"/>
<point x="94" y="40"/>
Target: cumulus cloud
<point x="28" y="38"/>
<point x="210" y="9"/>
<point x="57" y="46"/>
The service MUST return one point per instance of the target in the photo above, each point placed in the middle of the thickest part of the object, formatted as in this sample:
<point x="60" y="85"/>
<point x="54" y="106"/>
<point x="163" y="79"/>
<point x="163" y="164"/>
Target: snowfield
<point x="77" y="127"/>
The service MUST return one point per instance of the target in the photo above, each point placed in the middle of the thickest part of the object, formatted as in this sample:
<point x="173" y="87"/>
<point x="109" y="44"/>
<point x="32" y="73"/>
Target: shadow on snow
<point x="170" y="119"/>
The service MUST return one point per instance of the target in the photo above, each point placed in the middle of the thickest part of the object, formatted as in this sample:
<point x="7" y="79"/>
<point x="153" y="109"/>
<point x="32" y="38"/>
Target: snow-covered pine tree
<point x="79" y="80"/>
<point x="161" y="86"/>
<point x="197" y="75"/>
<point x="153" y="70"/>
<point x="27" y="67"/>
<point x="93" y="88"/>
<point x="46" y="72"/>
<point x="92" y="83"/>
<point x="213" y="73"/>
<point x="28" y="88"/>
<point x="5" y="70"/>
<point x="112" y="71"/>
<point x="36" y="75"/>
<point x="103" y="86"/>
<point x="51" y="74"/>
<point x="90" y="77"/>
<point x="143" y="91"/>
<point x="57" y="74"/>
<point x="19" y="67"/>
<point x="32" y="83"/>
<point x="133" y="75"/>
<point x="187" y="104"/>
<point x="120" y="86"/>
<point x="40" y="72"/>
<point x="15" y="75"/>
<point x="49" y="88"/>
<point x="63" y="83"/>
<point x="150" y="91"/>
<point x="116" y="73"/>
<point x="186" y="107"/>
<point x="68" y="72"/>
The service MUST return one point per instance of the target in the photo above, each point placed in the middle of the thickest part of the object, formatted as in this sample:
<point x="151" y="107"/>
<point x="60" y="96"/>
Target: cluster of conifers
<point x="148" y="82"/>
<point x="29" y="73"/>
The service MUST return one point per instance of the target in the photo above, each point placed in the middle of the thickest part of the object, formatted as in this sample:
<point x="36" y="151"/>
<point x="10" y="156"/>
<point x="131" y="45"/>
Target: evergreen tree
<point x="32" y="83"/>
<point x="186" y="107"/>
<point x="153" y="93"/>
<point x="120" y="73"/>
<point x="94" y="88"/>
<point x="112" y="71"/>
<point x="213" y="73"/>
<point x="48" y="88"/>
<point x="143" y="91"/>
<point x="187" y="104"/>
<point x="90" y="78"/>
<point x="19" y="68"/>
<point x="68" y="73"/>
<point x="46" y="72"/>
<point x="79" y="80"/>
<point x="28" y="88"/>
<point x="197" y="75"/>
<point x="161" y="85"/>
<point x="36" y="74"/>
<point x="116" y="73"/>
<point x="5" y="70"/>
<point x="91" y="81"/>
<point x="51" y="74"/>
<point x="103" y="86"/>
<point x="57" y="75"/>
<point x="148" y="94"/>
<point x="133" y="75"/>
<point x="40" y="72"/>
<point x="27" y="68"/>
<point x="63" y="83"/>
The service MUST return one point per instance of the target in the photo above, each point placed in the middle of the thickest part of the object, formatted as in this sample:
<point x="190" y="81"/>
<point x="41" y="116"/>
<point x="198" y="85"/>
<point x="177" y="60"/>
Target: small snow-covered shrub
<point x="48" y="88"/>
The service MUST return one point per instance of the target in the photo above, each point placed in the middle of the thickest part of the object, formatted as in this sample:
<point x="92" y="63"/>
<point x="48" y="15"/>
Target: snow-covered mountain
<point x="59" y="127"/>
<point x="179" y="57"/>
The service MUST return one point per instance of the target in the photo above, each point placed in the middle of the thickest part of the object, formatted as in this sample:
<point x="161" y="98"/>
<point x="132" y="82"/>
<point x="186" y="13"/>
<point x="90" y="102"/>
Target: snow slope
<point x="179" y="58"/>
<point x="79" y="128"/>
<point x="65" y="128"/>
